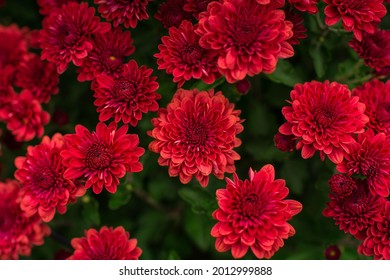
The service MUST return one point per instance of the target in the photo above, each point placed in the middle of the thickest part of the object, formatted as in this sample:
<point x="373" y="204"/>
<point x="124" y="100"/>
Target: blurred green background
<point x="171" y="220"/>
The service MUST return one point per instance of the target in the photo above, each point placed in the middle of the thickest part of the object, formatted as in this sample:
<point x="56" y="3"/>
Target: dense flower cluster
<point x="323" y="117"/>
<point x="249" y="38"/>
<point x="105" y="244"/>
<point x="41" y="174"/>
<point x="101" y="157"/>
<point x="253" y="214"/>
<point x="196" y="134"/>
<point x="19" y="232"/>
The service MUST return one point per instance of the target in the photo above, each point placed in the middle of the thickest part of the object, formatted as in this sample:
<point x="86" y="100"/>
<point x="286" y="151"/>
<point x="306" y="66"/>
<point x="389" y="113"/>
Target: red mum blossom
<point x="41" y="173"/>
<point x="107" y="244"/>
<point x="18" y="232"/>
<point x="376" y="96"/>
<point x="309" y="6"/>
<point x="354" y="213"/>
<point x="128" y="96"/>
<point x="342" y="185"/>
<point x="324" y="117"/>
<point x="181" y="55"/>
<point x="24" y="116"/>
<point x="123" y="11"/>
<point x="253" y="214"/>
<point x="356" y="15"/>
<point x="109" y="51"/>
<point x="370" y="157"/>
<point x="285" y="143"/>
<point x="66" y="34"/>
<point x="196" y="6"/>
<point x="377" y="241"/>
<point x="299" y="30"/>
<point x="250" y="38"/>
<point x="196" y="134"/>
<point x="102" y="157"/>
<point x="40" y="77"/>
<point x="375" y="50"/>
<point x="332" y="252"/>
<point x="172" y="13"/>
<point x="13" y="49"/>
<point x="48" y="6"/>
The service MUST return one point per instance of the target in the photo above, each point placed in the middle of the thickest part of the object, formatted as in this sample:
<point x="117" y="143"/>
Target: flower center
<point x="192" y="53"/>
<point x="369" y="168"/>
<point x="356" y="203"/>
<point x="45" y="178"/>
<point x="383" y="113"/>
<point x="250" y="205"/>
<point x="98" y="157"/>
<point x="351" y="6"/>
<point x="111" y="61"/>
<point x="324" y="117"/>
<point x="245" y="33"/>
<point x="196" y="134"/>
<point x="68" y="35"/>
<point x="124" y="90"/>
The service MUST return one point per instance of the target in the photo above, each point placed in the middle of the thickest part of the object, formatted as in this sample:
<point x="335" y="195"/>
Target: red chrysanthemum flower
<point x="101" y="157"/>
<point x="24" y="116"/>
<point x="18" y="232"/>
<point x="376" y="96"/>
<point x="196" y="6"/>
<point x="377" y="241"/>
<point x="66" y="34"/>
<point x="107" y="244"/>
<point x="249" y="37"/>
<point x="48" y="6"/>
<point x="172" y="13"/>
<point x="309" y="6"/>
<point x="123" y="11"/>
<point x="40" y="77"/>
<point x="356" y="15"/>
<point x="354" y="213"/>
<point x="41" y="173"/>
<point x="332" y="252"/>
<point x="375" y="50"/>
<point x="299" y="30"/>
<point x="108" y="54"/>
<point x="253" y="214"/>
<point x="128" y="96"/>
<point x="196" y="134"/>
<point x="370" y="157"/>
<point x="341" y="185"/>
<point x="181" y="55"/>
<point x="324" y="117"/>
<point x="13" y="49"/>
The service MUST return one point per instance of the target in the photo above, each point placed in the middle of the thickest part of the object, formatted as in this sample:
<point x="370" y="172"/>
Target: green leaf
<point x="286" y="74"/>
<point x="198" y="227"/>
<point x="121" y="197"/>
<point x="295" y="173"/>
<point x="317" y="54"/>
<point x="90" y="213"/>
<point x="200" y="200"/>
